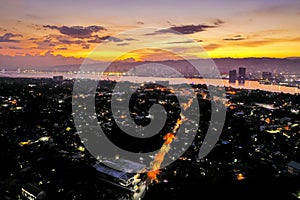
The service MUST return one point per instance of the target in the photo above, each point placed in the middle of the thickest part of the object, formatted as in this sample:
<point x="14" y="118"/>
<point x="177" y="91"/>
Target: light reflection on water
<point x="138" y="79"/>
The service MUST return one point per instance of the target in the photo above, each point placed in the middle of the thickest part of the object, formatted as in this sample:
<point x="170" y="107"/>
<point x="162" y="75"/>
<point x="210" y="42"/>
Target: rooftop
<point x="294" y="164"/>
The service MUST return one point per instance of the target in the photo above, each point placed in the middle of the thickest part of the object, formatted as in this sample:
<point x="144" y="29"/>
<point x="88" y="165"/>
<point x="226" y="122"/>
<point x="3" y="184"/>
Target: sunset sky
<point x="53" y="30"/>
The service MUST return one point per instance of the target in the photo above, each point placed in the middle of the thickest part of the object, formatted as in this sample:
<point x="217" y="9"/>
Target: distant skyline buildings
<point x="242" y="75"/>
<point x="266" y="75"/>
<point x="239" y="75"/>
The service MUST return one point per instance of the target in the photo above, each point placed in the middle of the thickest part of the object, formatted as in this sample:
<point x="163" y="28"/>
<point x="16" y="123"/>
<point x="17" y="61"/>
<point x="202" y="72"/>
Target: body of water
<point x="137" y="79"/>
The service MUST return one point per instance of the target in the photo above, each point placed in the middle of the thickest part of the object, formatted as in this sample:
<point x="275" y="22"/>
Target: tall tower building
<point x="232" y="76"/>
<point x="242" y="75"/>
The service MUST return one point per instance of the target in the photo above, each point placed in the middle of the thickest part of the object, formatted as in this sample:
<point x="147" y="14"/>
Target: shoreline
<point x="249" y="84"/>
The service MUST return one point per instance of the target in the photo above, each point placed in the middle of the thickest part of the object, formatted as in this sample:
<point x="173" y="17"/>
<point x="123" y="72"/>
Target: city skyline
<point x="58" y="34"/>
<point x="143" y="100"/>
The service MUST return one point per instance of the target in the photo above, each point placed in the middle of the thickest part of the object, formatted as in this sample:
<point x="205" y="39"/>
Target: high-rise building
<point x="58" y="78"/>
<point x="242" y="75"/>
<point x="232" y="76"/>
<point x="266" y="75"/>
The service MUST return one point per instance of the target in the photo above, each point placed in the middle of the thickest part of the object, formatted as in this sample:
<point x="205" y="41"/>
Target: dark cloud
<point x="130" y="39"/>
<point x="32" y="39"/>
<point x="37" y="26"/>
<point x="187" y="29"/>
<point x="3" y="29"/>
<point x="218" y="22"/>
<point x="140" y="23"/>
<point x="170" y="24"/>
<point x="181" y="42"/>
<point x="235" y="38"/>
<point x="97" y="39"/>
<point x="14" y="47"/>
<point x="7" y="37"/>
<point x="43" y="45"/>
<point x="50" y="36"/>
<point x="161" y="31"/>
<point x="59" y="39"/>
<point x="51" y="40"/>
<point x="111" y="39"/>
<point x="47" y="40"/>
<point x="62" y="48"/>
<point x="123" y="44"/>
<point x="77" y="31"/>
<point x="211" y="47"/>
<point x="190" y="29"/>
<point x="69" y="42"/>
<point x="85" y="46"/>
